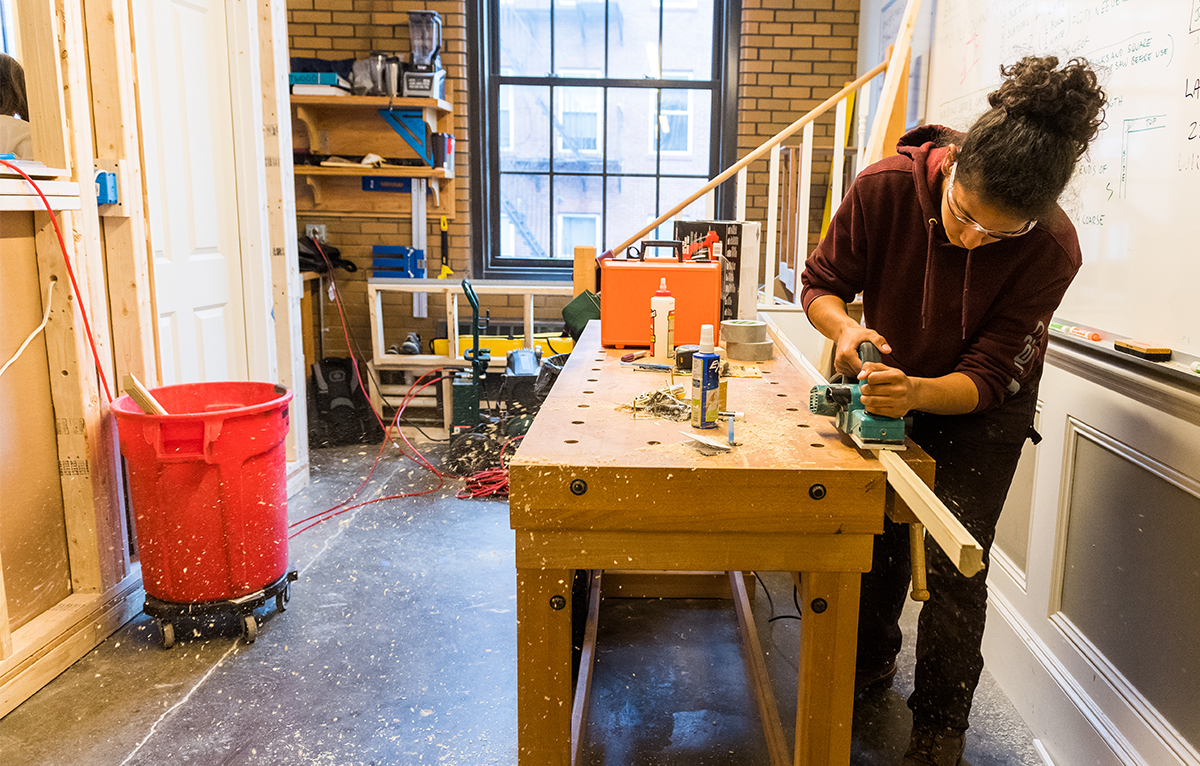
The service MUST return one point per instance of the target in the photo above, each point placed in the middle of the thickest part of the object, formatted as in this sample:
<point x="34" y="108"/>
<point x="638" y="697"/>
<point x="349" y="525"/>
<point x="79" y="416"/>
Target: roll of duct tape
<point x="751" y="352"/>
<point x="743" y="331"/>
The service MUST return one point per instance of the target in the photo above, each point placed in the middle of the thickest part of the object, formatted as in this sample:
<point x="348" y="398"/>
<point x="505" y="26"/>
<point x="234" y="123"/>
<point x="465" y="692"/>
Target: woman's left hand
<point x="886" y="390"/>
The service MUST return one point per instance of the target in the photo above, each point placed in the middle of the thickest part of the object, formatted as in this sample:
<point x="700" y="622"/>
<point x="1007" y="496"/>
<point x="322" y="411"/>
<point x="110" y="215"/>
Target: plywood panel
<point x="33" y="541"/>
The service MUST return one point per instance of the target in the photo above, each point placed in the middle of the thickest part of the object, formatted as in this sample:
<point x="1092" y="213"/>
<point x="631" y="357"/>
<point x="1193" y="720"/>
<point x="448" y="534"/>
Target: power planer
<point x="841" y="399"/>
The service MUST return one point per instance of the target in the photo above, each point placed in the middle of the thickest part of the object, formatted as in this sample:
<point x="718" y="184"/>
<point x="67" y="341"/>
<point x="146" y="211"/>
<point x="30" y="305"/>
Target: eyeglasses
<point x="967" y="220"/>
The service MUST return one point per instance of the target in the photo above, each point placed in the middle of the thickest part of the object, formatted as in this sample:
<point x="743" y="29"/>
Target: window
<point x="575" y="230"/>
<point x="671" y="110"/>
<point x="8" y="32"/>
<point x="591" y="118"/>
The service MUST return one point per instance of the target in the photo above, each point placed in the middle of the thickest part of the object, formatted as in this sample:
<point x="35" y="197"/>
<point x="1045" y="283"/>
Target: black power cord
<point x="771" y="603"/>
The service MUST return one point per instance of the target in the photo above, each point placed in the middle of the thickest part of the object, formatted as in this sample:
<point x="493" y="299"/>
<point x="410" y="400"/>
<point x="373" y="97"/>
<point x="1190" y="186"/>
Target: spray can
<point x="662" y="325"/>
<point x="706" y="377"/>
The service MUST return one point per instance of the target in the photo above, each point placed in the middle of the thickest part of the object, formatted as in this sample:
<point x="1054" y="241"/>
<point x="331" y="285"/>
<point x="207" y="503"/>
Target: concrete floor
<point x="399" y="647"/>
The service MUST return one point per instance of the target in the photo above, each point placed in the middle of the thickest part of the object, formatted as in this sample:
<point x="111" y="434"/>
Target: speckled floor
<point x="399" y="647"/>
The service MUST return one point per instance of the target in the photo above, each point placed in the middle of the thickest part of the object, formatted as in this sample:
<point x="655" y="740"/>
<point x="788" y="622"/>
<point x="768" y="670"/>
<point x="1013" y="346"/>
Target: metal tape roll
<point x="751" y="352"/>
<point x="743" y="331"/>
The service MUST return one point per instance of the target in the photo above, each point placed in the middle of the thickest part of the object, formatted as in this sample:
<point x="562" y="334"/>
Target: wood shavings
<point x="664" y="403"/>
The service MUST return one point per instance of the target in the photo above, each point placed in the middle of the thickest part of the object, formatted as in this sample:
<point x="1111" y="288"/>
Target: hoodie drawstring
<point x="966" y="282"/>
<point x="928" y="272"/>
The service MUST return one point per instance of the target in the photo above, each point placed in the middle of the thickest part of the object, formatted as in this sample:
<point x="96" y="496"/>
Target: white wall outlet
<point x="315" y="231"/>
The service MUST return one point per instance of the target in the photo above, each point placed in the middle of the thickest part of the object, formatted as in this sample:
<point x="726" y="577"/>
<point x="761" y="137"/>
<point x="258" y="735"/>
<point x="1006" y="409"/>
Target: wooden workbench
<point x="593" y="488"/>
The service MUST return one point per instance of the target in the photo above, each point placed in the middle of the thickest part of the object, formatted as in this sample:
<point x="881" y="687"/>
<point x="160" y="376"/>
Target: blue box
<point x="312" y="78"/>
<point x="106" y="188"/>
<point x="398" y="261"/>
<point x="387" y="184"/>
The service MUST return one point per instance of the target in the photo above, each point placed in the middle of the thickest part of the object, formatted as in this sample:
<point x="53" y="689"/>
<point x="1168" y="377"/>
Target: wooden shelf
<point x="391" y="171"/>
<point x="352" y="126"/>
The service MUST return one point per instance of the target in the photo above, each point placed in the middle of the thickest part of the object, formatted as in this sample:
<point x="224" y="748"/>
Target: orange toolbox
<point x="626" y="287"/>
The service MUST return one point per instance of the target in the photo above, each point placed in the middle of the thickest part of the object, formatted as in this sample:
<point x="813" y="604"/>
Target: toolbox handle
<point x="639" y="254"/>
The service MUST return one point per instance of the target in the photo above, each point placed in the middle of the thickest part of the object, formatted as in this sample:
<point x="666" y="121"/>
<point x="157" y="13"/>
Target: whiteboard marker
<point x="1078" y="332"/>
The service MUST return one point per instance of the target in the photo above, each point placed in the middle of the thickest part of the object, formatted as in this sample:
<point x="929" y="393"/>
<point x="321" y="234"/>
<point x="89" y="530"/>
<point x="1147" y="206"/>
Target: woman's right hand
<point x="845" y="355"/>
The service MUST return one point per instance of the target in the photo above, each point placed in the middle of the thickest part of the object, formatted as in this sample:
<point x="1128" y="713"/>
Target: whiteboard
<point x="1135" y="198"/>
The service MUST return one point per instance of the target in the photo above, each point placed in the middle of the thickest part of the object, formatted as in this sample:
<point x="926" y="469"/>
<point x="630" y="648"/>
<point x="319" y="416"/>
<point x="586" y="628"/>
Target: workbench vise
<point x="841" y="399"/>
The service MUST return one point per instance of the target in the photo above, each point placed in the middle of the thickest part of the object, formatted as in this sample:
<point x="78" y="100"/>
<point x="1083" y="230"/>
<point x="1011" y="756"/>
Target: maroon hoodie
<point x="982" y="312"/>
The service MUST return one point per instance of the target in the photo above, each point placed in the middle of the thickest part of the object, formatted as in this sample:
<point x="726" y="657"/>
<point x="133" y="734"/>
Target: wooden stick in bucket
<point x="142" y="396"/>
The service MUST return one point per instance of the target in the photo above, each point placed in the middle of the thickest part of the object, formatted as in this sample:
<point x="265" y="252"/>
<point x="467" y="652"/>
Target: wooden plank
<point x="39" y="24"/>
<point x="636" y="497"/>
<point x="21" y="187"/>
<point x="624" y="583"/>
<point x="772" y="259"/>
<point x="587" y="662"/>
<point x="34" y="202"/>
<point x="287" y="292"/>
<point x="583" y="275"/>
<point x="327" y="194"/>
<point x="397" y="171"/>
<point x="959" y="545"/>
<point x="481" y="287"/>
<point x="45" y="647"/>
<point x="895" y="82"/>
<point x="692" y="551"/>
<point x="756" y="670"/>
<point x="544" y="667"/>
<point x="825" y="690"/>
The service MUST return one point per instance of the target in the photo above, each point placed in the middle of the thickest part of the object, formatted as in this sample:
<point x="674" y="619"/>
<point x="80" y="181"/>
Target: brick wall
<point x="795" y="54"/>
<point x="340" y="29"/>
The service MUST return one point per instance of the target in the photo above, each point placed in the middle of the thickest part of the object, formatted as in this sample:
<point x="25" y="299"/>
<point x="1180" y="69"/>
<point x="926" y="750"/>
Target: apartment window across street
<point x="592" y="117"/>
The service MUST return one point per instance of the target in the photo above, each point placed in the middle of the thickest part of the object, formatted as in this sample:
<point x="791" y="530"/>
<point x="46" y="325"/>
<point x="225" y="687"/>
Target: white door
<point x="187" y="128"/>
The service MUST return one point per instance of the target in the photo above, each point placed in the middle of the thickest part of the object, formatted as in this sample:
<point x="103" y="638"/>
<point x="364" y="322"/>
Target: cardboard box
<point x="741" y="247"/>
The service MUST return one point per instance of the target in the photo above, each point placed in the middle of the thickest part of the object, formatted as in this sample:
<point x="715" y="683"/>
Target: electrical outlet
<point x="315" y="231"/>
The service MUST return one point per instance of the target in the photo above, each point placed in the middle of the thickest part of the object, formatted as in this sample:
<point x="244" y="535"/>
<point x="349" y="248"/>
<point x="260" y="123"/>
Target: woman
<point x="15" y="138"/>
<point x="962" y="255"/>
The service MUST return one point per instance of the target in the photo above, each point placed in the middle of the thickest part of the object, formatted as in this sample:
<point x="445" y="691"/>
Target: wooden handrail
<point x="761" y="151"/>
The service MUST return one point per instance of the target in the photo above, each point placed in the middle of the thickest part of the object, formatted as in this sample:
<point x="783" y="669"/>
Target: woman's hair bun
<point x="1068" y="101"/>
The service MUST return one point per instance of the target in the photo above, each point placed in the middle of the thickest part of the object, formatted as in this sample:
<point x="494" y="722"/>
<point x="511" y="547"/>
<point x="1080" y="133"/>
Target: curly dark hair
<point x="1021" y="153"/>
<point x="12" y="88"/>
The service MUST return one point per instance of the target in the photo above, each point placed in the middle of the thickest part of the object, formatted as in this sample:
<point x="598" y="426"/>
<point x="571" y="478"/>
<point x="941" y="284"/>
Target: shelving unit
<point x="450" y="290"/>
<point x="353" y="126"/>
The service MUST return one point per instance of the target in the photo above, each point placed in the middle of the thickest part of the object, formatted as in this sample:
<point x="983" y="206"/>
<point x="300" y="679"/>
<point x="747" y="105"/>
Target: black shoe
<point x="935" y="747"/>
<point x="878" y="678"/>
<point x="411" y="344"/>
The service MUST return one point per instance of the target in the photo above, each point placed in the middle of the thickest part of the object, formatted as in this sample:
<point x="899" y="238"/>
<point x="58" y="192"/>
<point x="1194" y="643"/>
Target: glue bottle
<point x="706" y="369"/>
<point x="662" y="325"/>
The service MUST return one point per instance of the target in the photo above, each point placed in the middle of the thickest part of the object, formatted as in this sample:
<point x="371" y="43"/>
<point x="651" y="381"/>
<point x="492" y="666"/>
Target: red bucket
<point x="208" y="488"/>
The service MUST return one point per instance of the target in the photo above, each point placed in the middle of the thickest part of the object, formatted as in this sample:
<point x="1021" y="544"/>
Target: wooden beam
<point x="117" y="142"/>
<point x="893" y="82"/>
<point x="964" y="552"/>
<point x="587" y="661"/>
<point x="286" y="288"/>
<point x="38" y="20"/>
<point x="756" y="671"/>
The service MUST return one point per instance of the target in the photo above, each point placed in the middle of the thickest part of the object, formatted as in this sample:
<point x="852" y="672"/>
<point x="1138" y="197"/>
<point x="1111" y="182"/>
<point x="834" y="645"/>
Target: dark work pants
<point x="976" y="457"/>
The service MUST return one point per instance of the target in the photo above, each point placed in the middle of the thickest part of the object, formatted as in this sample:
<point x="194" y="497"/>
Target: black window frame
<point x="483" y="106"/>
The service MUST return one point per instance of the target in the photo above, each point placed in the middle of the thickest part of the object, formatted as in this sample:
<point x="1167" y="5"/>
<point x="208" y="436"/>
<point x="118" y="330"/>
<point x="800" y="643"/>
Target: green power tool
<point x="841" y="399"/>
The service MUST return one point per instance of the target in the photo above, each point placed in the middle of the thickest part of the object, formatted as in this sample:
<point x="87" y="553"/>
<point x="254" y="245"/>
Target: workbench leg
<point x="544" y="667"/>
<point x="828" y="641"/>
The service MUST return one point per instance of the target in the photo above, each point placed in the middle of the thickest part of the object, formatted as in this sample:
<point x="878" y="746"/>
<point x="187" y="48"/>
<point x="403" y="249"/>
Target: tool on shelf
<point x="446" y="271"/>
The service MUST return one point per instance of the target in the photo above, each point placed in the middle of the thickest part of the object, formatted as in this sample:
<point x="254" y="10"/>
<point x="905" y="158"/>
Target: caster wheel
<point x="250" y="633"/>
<point x="283" y="597"/>
<point x="168" y="634"/>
